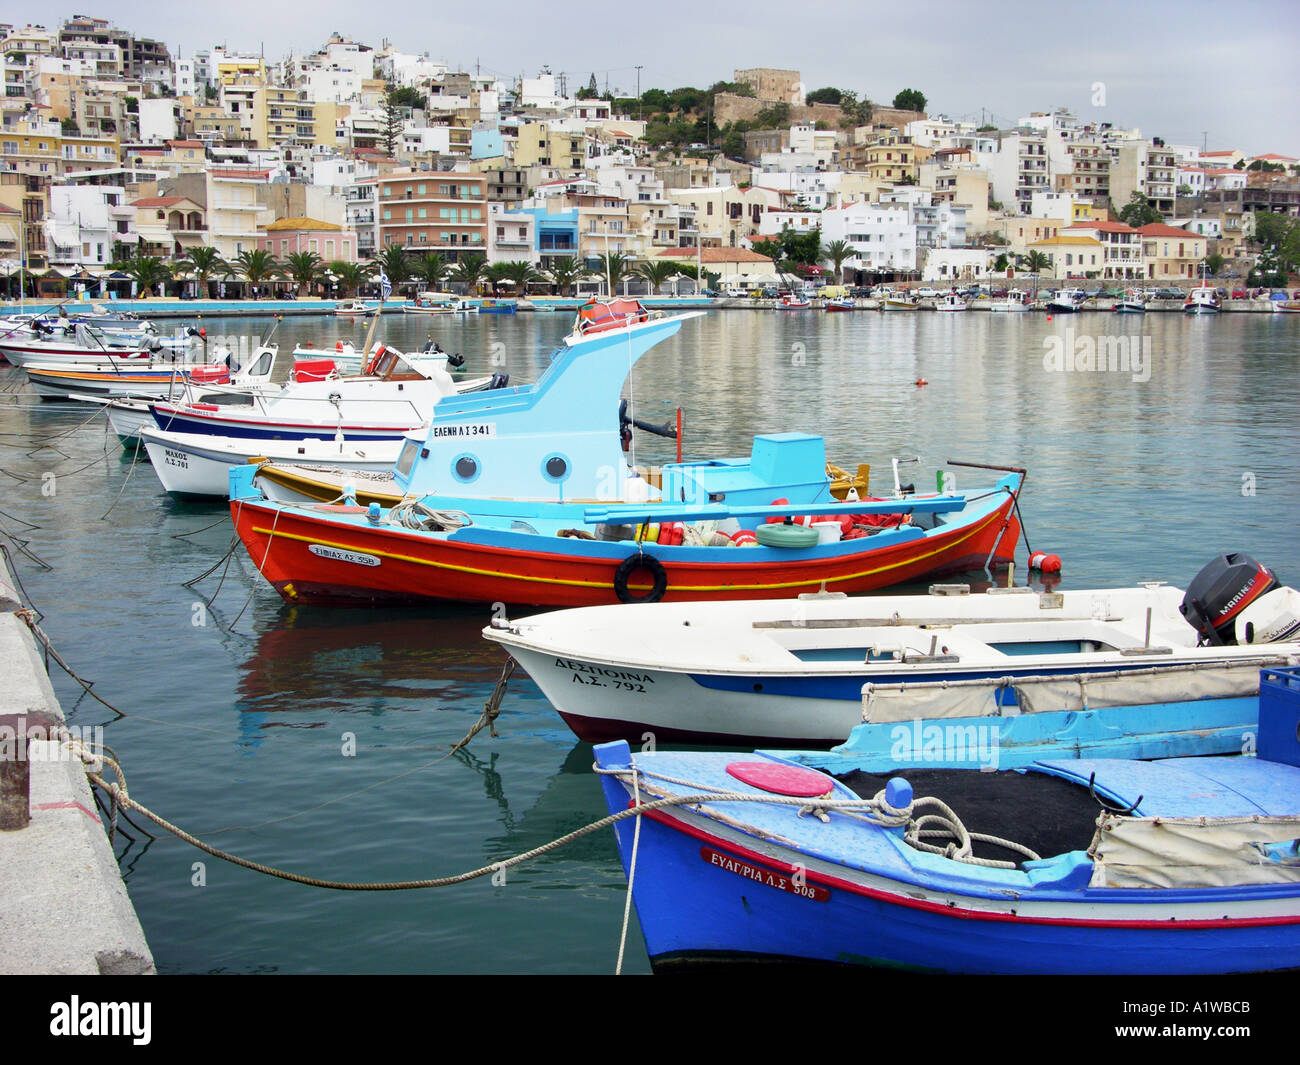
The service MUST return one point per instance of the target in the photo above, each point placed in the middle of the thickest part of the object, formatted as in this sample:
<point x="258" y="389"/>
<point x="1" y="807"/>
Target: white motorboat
<point x="950" y="301"/>
<point x="811" y="669"/>
<point x="1203" y="300"/>
<point x="394" y="397"/>
<point x="1014" y="302"/>
<point x="440" y="303"/>
<point x="199" y="464"/>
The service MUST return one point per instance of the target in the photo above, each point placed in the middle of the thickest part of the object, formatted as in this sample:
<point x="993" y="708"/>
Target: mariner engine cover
<point x="1221" y="591"/>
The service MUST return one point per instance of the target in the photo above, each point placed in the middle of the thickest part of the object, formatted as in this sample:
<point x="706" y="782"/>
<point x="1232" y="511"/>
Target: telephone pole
<point x="638" y="93"/>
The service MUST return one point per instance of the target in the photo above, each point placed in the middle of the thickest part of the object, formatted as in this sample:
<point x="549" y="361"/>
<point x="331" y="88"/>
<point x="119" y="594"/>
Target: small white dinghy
<point x="809" y="670"/>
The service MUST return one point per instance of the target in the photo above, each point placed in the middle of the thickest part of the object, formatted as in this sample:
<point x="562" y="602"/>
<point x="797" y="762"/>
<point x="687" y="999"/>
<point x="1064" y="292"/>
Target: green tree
<point x="432" y="270"/>
<point x="613" y="268"/>
<point x="655" y="272"/>
<point x="1034" y="263"/>
<point x="392" y="123"/>
<point x="351" y="276"/>
<point x="1139" y="211"/>
<point x="396" y="266"/>
<point x="304" y="269"/>
<point x="495" y="274"/>
<point x="1279" y="239"/>
<point x="469" y="271"/>
<point x="204" y="263"/>
<point x="522" y="273"/>
<point x="149" y="273"/>
<point x="256" y="266"/>
<point x="1001" y="263"/>
<point x="1214" y="263"/>
<point x="856" y="112"/>
<point x="837" y="252"/>
<point x="565" y="273"/>
<point x="828" y="95"/>
<point x="405" y="96"/>
<point x="773" y="117"/>
<point x="910" y="100"/>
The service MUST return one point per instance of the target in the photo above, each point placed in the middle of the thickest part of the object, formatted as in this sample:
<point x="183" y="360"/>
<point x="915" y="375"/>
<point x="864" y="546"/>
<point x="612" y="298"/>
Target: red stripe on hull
<point x="414" y="568"/>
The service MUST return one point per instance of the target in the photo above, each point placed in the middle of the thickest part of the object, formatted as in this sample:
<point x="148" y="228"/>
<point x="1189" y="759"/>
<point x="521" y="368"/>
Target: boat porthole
<point x="758" y="687"/>
<point x="465" y="468"/>
<point x="555" y="468"/>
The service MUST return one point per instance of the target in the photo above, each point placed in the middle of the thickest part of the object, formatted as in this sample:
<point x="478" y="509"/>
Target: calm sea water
<point x="238" y="712"/>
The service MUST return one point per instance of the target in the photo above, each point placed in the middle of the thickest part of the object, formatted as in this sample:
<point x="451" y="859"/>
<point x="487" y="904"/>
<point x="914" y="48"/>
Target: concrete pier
<point x="64" y="909"/>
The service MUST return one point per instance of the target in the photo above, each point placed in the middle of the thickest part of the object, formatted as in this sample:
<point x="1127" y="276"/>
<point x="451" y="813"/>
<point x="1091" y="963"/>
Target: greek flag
<point x="385" y="287"/>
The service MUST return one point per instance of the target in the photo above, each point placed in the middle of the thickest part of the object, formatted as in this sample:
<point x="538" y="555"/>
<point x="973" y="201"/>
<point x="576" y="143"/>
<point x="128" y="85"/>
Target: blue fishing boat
<point x="1096" y="866"/>
<point x="527" y="495"/>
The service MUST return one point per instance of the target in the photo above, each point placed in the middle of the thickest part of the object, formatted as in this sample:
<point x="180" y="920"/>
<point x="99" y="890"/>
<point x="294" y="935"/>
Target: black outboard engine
<point x="456" y="361"/>
<point x="499" y="380"/>
<point x="1220" y="592"/>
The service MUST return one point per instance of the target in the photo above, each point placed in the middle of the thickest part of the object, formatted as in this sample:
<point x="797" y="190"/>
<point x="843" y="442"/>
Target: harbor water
<point x="317" y="740"/>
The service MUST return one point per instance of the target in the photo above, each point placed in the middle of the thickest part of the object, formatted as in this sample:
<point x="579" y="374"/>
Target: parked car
<point x="1240" y="294"/>
<point x="1169" y="294"/>
<point x="927" y="293"/>
<point x="861" y="292"/>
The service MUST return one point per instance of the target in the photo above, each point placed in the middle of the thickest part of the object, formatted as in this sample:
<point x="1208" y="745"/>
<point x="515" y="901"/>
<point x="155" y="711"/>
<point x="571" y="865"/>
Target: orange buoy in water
<point x="1040" y="560"/>
<point x="921" y="382"/>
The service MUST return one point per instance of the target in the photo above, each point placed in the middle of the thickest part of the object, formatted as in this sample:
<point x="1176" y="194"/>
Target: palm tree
<point x="395" y="265"/>
<point x="1035" y="262"/>
<point x="351" y="276"/>
<point x="432" y="270"/>
<point x="656" y="272"/>
<point x="836" y="253"/>
<point x="147" y="272"/>
<point x="256" y="266"/>
<point x="522" y="273"/>
<point x="566" y="272"/>
<point x="469" y="271"/>
<point x="495" y="274"/>
<point x="613" y="268"/>
<point x="204" y="263"/>
<point x="305" y="267"/>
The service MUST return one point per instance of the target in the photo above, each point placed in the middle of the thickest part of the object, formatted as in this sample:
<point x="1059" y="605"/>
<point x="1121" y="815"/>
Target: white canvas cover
<point x="1192" y="852"/>
<point x="884" y="703"/>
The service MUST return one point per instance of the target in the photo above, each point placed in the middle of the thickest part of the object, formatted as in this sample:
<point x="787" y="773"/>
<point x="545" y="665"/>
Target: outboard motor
<point x="499" y="380"/>
<point x="1221" y="592"/>
<point x="455" y="361"/>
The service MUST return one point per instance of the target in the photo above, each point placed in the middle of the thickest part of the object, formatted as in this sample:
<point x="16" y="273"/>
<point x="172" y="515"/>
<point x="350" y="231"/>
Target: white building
<point x="159" y="119"/>
<point x="955" y="264"/>
<point x="883" y="236"/>
<point x="84" y="222"/>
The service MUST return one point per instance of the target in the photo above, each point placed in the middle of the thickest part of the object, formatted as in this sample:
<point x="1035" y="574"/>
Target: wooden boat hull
<point x="320" y="554"/>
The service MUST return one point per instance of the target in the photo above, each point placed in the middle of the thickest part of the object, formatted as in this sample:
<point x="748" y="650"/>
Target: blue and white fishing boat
<point x="810" y="670"/>
<point x="526" y="495"/>
<point x="1062" y="865"/>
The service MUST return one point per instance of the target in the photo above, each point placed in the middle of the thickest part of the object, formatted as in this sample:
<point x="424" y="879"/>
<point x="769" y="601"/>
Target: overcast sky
<point x="1222" y="73"/>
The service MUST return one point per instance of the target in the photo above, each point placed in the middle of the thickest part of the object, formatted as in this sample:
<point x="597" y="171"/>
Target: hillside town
<point x="127" y="168"/>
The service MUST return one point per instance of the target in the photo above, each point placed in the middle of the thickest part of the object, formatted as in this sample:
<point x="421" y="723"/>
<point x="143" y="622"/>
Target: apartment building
<point x="432" y="211"/>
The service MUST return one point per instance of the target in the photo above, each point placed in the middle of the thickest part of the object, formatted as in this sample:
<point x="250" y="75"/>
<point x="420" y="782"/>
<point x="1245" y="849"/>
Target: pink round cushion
<point x="782" y="779"/>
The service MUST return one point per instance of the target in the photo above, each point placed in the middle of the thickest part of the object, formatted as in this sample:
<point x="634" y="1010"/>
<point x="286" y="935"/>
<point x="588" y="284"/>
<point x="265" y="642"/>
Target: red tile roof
<point x="157" y="201"/>
<point x="1159" y="229"/>
<point x="1103" y="227"/>
<point x="716" y="255"/>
